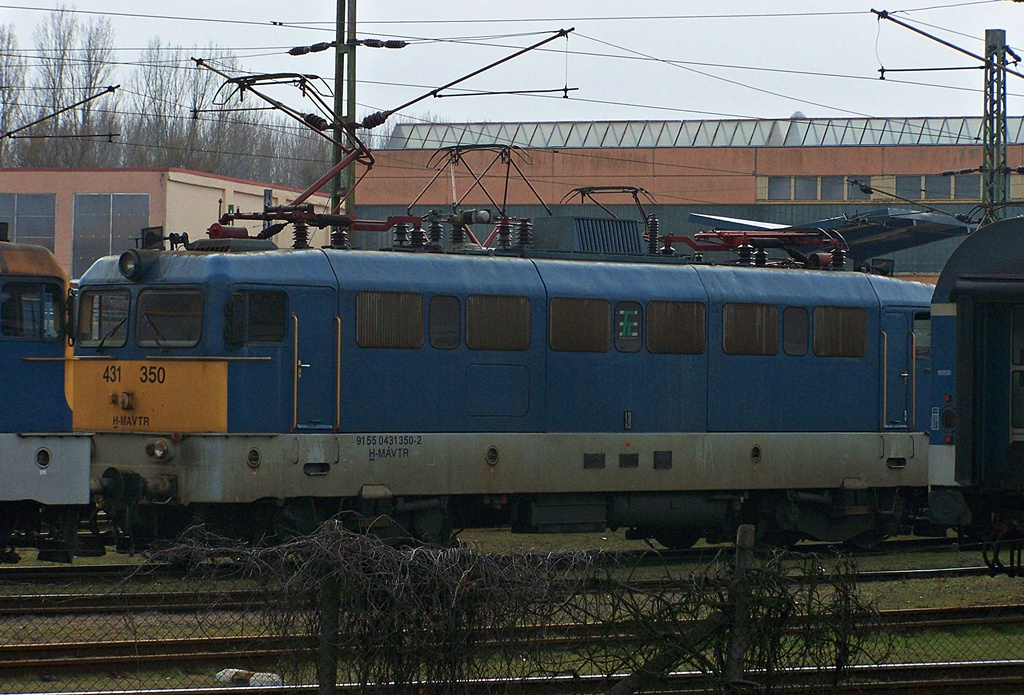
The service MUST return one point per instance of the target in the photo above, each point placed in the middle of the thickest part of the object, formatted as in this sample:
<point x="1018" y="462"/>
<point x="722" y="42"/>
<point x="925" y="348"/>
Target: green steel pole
<point x="350" y="96"/>
<point x="339" y="103"/>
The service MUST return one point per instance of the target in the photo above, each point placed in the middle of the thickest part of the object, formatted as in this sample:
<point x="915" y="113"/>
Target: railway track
<point x="170" y="600"/>
<point x="88" y="656"/>
<point x="43" y="574"/>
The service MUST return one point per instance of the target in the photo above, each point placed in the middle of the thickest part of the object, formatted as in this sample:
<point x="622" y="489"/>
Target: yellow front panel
<point x="150" y="395"/>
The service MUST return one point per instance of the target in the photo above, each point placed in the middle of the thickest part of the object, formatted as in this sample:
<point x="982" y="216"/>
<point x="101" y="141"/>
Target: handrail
<point x="885" y="380"/>
<point x="295" y="374"/>
<point x="337" y="378"/>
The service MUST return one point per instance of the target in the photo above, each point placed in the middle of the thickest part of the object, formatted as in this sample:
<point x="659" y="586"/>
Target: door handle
<point x="302" y="366"/>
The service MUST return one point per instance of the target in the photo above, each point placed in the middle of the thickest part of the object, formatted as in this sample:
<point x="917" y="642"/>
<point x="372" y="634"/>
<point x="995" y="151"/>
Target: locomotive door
<point x="897" y="365"/>
<point x="315" y="356"/>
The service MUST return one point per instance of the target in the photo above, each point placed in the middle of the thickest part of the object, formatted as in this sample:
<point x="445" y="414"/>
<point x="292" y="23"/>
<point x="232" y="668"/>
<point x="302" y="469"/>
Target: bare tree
<point x="12" y="83"/>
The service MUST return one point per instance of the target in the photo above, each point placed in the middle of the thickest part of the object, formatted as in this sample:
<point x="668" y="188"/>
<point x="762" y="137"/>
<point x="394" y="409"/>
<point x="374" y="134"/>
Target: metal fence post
<point x="739" y="598"/>
<point x="327" y="659"/>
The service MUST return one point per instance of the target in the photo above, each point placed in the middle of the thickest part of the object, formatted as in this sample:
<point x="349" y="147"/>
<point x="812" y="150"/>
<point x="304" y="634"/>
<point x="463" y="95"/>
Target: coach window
<point x="840" y="331"/>
<point x="31" y="310"/>
<point x="389" y="320"/>
<point x="497" y="322"/>
<point x="103" y="318"/>
<point x="675" y="328"/>
<point x="794" y="331"/>
<point x="169" y="318"/>
<point x="629" y="326"/>
<point x="579" y="325"/>
<point x="445" y="322"/>
<point x="750" y="329"/>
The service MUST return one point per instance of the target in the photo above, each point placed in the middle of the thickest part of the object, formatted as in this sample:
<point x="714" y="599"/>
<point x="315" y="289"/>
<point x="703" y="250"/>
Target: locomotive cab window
<point x="256" y="316"/>
<point x="103" y="318"/>
<point x="169" y="318"/>
<point x="795" y="331"/>
<point x="445" y="322"/>
<point x="922" y="335"/>
<point x="750" y="329"/>
<point x="389" y="320"/>
<point x="676" y="328"/>
<point x="579" y="325"/>
<point x="31" y="310"/>
<point x="497" y="322"/>
<point x="840" y="331"/>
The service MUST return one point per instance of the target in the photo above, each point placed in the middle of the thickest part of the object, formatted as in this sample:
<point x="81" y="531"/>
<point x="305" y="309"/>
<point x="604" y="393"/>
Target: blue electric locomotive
<point x="44" y="470"/>
<point x="262" y="391"/>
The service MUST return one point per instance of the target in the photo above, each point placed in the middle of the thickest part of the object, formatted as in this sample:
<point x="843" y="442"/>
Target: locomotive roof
<point x="444" y="272"/>
<point x="27" y="259"/>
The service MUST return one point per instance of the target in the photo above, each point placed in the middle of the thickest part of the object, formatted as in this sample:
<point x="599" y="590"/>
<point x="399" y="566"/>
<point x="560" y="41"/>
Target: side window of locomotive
<point x="389" y="320"/>
<point x="629" y="326"/>
<point x="267" y="317"/>
<point x="922" y="335"/>
<point x="256" y="316"/>
<point x="445" y="322"/>
<point x="169" y="318"/>
<point x="750" y="329"/>
<point x="795" y="331"/>
<point x="676" y="328"/>
<point x="103" y="318"/>
<point x="840" y="331"/>
<point x="497" y="322"/>
<point x="31" y="310"/>
<point x="579" y="324"/>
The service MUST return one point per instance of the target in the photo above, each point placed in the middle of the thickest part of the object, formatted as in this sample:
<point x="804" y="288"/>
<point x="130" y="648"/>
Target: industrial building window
<point x="103" y="318"/>
<point x="106" y="224"/>
<point x="833" y="187"/>
<point x="389" y="320"/>
<point x="445" y="322"/>
<point x="30" y="217"/>
<point x="820" y="188"/>
<point x="805" y="188"/>
<point x="629" y="326"/>
<point x="169" y="318"/>
<point x="967" y="187"/>
<point x="579" y="324"/>
<point x="909" y="187"/>
<point x="840" y="331"/>
<point x="676" y="328"/>
<point x="937" y="187"/>
<point x="497" y="322"/>
<point x="780" y="188"/>
<point x="794" y="331"/>
<point x="750" y="329"/>
<point x="853" y="190"/>
<point x="31" y="310"/>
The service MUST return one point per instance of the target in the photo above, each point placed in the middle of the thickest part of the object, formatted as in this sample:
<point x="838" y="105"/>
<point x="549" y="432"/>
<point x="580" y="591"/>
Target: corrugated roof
<point x="789" y="132"/>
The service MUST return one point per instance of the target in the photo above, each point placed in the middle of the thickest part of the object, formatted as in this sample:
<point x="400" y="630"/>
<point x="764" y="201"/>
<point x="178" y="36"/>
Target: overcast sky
<point x="627" y="60"/>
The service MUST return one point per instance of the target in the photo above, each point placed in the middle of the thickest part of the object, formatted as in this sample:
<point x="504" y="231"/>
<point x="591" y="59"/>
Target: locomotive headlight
<point x="130" y="264"/>
<point x="160" y="450"/>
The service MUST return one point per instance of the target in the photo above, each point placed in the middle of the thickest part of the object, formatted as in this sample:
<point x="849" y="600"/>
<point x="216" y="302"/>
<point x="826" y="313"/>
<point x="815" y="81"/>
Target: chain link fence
<point x="346" y="609"/>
